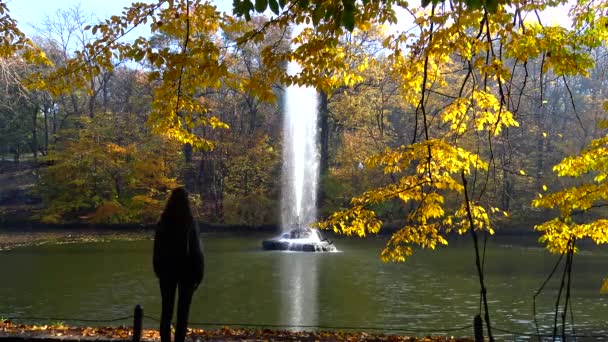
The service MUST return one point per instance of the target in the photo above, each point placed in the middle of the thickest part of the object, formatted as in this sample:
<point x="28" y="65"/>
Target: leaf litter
<point x="66" y="333"/>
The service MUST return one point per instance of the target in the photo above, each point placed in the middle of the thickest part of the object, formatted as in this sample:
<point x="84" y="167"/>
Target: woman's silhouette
<point x="178" y="262"/>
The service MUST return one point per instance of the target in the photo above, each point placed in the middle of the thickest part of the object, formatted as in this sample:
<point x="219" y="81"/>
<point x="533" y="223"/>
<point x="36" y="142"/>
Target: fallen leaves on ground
<point x="223" y="334"/>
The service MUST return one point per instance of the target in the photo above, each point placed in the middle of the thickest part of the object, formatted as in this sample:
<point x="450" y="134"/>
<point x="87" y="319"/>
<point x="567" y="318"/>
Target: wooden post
<point x="138" y="317"/>
<point x="478" y="328"/>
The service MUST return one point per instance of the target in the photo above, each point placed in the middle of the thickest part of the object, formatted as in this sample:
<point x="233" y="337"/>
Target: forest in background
<point x="96" y="160"/>
<point x="81" y="107"/>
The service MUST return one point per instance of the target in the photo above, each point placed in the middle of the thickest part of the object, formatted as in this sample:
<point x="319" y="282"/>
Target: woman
<point x="178" y="262"/>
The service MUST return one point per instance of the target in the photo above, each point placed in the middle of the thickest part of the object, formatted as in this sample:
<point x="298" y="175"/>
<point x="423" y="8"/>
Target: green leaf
<point x="274" y="6"/>
<point x="282" y="3"/>
<point x="473" y="4"/>
<point x="492" y="5"/>
<point x="317" y="14"/>
<point x="348" y="15"/>
<point x="242" y="8"/>
<point x="260" y="5"/>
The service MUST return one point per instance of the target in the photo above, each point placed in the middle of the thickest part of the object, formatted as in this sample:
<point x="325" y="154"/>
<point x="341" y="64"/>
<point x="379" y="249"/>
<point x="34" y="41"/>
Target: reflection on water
<point x="433" y="290"/>
<point x="298" y="288"/>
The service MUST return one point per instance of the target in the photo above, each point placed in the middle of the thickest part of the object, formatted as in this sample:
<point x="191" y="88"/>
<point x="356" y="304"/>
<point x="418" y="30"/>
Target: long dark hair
<point x="177" y="212"/>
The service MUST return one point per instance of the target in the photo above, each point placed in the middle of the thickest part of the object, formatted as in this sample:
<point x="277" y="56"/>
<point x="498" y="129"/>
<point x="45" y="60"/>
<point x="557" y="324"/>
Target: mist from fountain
<point x="300" y="156"/>
<point x="300" y="176"/>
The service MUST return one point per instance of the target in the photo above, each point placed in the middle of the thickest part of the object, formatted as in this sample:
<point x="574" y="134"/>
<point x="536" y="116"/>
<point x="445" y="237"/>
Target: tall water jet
<point x="300" y="172"/>
<point x="300" y="155"/>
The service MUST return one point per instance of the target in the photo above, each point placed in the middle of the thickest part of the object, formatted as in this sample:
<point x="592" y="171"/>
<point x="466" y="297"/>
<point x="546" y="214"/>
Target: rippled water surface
<point x="433" y="291"/>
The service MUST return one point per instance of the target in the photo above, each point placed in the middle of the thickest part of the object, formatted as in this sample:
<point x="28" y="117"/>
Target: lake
<point x="432" y="292"/>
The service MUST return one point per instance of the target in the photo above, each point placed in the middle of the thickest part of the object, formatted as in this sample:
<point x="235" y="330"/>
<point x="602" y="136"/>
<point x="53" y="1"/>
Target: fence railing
<point x="476" y="329"/>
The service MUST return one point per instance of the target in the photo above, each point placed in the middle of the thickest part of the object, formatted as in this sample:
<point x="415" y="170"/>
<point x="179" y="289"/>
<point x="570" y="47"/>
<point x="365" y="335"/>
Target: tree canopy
<point x="466" y="73"/>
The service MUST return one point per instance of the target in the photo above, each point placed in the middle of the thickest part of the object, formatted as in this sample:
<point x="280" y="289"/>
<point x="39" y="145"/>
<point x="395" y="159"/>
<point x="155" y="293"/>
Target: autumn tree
<point x="60" y="35"/>
<point x="109" y="171"/>
<point x="18" y="54"/>
<point x="18" y="128"/>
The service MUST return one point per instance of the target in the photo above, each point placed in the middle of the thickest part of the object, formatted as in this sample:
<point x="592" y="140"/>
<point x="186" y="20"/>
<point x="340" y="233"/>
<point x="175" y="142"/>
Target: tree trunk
<point x="189" y="172"/>
<point x="46" y="130"/>
<point x="253" y="115"/>
<point x="507" y="189"/>
<point x="210" y="187"/>
<point x="16" y="154"/>
<point x="187" y="148"/>
<point x="324" y="132"/>
<point x="35" y="134"/>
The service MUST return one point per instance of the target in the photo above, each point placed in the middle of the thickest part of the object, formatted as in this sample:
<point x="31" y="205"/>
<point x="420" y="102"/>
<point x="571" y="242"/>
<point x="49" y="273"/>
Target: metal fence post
<point x="138" y="317"/>
<point x="478" y="328"/>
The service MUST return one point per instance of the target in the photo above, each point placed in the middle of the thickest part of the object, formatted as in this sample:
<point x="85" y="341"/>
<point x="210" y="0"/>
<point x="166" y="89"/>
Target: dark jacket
<point x="178" y="255"/>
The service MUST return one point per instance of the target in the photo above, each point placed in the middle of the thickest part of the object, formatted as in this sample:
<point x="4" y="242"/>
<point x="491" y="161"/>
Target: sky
<point x="32" y="12"/>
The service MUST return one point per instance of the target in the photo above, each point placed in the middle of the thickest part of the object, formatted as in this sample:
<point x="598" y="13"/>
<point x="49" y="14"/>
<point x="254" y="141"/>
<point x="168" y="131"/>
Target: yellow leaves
<point x="460" y="222"/>
<point x="556" y="235"/>
<point x="456" y="114"/>
<point x="604" y="288"/>
<point x="564" y="51"/>
<point x="431" y="207"/>
<point x="482" y="111"/>
<point x="577" y="199"/>
<point x="350" y="80"/>
<point x="364" y="65"/>
<point x="490" y="114"/>
<point x="114" y="148"/>
<point x="592" y="158"/>
<point x="601" y="176"/>
<point x="326" y="62"/>
<point x="111" y="169"/>
<point x="35" y="55"/>
<point x="603" y="124"/>
<point x="109" y="212"/>
<point x="178" y="124"/>
<point x="486" y="101"/>
<point x="523" y="44"/>
<point x="354" y="221"/>
<point x="447" y="160"/>
<point x="425" y="235"/>
<point x="425" y="182"/>
<point x="559" y="231"/>
<point x="396" y="253"/>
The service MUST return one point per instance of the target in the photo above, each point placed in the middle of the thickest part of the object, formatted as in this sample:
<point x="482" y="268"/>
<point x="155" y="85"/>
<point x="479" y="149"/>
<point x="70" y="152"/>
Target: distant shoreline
<point x="22" y="234"/>
<point x="26" y="233"/>
<point x="35" y="226"/>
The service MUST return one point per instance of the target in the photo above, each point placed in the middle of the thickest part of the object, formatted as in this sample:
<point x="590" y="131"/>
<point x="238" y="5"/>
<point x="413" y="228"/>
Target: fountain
<point x="300" y="173"/>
